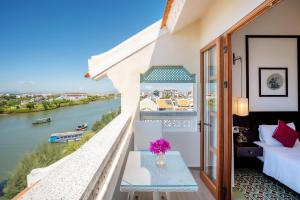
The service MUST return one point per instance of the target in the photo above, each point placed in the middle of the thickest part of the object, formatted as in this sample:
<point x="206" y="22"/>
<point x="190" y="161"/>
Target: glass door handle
<point x="207" y="124"/>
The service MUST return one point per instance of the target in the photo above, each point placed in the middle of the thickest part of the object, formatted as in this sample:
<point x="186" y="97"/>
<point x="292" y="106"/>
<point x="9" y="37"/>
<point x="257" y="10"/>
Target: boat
<point x="65" y="136"/>
<point x="42" y="121"/>
<point x="82" y="127"/>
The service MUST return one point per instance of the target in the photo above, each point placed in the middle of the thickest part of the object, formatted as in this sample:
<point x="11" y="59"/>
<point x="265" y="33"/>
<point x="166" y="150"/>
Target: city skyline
<point x="45" y="46"/>
<point x="166" y="86"/>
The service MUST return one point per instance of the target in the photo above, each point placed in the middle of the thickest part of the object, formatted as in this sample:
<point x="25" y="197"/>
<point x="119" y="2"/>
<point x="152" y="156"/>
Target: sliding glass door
<point x="212" y="117"/>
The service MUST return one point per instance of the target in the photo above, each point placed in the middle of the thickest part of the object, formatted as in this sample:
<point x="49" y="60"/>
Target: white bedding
<point x="283" y="164"/>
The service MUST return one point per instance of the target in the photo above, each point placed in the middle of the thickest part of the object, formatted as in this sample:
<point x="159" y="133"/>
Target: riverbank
<point x="16" y="107"/>
<point x="46" y="154"/>
<point x="18" y="136"/>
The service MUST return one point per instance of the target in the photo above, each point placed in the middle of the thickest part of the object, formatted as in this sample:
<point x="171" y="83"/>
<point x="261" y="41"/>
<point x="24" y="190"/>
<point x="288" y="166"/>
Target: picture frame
<point x="272" y="51"/>
<point x="273" y="81"/>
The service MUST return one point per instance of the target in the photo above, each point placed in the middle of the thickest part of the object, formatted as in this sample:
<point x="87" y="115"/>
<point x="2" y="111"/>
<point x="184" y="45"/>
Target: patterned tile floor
<point x="255" y="185"/>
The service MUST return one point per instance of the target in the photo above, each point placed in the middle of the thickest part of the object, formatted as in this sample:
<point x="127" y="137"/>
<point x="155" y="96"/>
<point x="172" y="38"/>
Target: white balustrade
<point x="182" y="130"/>
<point x="92" y="171"/>
<point x="172" y="121"/>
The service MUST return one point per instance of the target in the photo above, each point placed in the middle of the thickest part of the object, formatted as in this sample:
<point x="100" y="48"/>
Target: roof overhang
<point x="100" y="64"/>
<point x="180" y="13"/>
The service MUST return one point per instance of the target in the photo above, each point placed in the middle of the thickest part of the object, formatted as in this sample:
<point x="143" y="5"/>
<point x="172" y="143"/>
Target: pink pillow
<point x="285" y="135"/>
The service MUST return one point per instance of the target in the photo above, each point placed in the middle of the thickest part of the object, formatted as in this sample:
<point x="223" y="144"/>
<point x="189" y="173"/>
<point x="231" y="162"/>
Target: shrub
<point x="73" y="146"/>
<point x="98" y="125"/>
<point x="44" y="155"/>
<point x="106" y="118"/>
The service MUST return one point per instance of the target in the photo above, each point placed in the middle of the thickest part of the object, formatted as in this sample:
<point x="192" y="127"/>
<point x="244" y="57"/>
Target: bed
<point x="282" y="163"/>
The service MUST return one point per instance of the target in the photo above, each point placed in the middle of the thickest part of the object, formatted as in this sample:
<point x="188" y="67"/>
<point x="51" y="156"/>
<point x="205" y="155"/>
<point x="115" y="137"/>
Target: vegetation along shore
<point x="26" y="103"/>
<point x="46" y="154"/>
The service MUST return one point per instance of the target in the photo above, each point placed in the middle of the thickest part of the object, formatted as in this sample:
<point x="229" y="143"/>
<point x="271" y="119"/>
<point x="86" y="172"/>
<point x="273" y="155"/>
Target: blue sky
<point x="45" y="44"/>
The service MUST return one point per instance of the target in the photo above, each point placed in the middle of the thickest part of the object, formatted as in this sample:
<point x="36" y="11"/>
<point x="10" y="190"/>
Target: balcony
<point x="94" y="171"/>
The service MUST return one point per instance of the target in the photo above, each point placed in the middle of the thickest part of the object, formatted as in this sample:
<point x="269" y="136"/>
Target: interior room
<point x="265" y="90"/>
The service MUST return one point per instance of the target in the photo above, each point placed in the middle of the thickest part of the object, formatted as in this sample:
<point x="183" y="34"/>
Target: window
<point x="167" y="88"/>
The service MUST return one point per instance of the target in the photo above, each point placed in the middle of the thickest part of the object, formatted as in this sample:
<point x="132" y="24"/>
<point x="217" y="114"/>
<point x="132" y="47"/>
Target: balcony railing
<point x="173" y="121"/>
<point x="92" y="171"/>
<point x="180" y="128"/>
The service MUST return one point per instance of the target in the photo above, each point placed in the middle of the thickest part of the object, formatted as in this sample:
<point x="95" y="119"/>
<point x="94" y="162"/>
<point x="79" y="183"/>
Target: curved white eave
<point x="100" y="64"/>
<point x="185" y="12"/>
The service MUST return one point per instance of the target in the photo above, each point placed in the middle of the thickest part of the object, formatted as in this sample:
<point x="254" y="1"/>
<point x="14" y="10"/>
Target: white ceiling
<point x="191" y="11"/>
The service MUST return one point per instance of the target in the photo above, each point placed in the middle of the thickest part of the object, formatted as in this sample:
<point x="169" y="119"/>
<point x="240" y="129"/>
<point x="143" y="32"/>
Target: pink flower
<point x="159" y="146"/>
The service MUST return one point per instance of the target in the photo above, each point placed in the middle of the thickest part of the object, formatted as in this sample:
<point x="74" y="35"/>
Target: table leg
<point x="168" y="195"/>
<point x="156" y="196"/>
<point x="131" y="196"/>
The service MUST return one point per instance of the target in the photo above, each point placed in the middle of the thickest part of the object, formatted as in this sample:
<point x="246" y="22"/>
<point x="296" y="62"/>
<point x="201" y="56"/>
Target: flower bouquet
<point x="160" y="147"/>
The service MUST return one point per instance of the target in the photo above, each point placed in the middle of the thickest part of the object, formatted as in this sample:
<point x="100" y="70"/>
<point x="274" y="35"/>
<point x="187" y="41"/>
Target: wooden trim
<point x="216" y="189"/>
<point x="209" y="184"/>
<point x="20" y="194"/>
<point x="228" y="119"/>
<point x="265" y="6"/>
<point x="209" y="46"/>
<point x="166" y="13"/>
<point x="262" y="8"/>
<point x="201" y="111"/>
<point x="220" y="118"/>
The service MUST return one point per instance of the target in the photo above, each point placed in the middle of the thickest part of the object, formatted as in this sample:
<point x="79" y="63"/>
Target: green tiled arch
<point x="167" y="74"/>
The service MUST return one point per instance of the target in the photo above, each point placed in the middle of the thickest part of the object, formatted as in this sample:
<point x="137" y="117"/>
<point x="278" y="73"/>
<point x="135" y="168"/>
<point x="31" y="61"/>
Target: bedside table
<point x="245" y="155"/>
<point x="248" y="150"/>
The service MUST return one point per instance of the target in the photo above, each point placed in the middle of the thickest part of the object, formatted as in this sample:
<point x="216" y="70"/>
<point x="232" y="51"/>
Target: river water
<point x="18" y="136"/>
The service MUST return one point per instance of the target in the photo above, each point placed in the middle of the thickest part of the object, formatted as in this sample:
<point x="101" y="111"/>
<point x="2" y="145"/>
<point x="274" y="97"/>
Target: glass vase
<point x="161" y="160"/>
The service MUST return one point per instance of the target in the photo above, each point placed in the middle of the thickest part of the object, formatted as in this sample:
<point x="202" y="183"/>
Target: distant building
<point x="74" y="96"/>
<point x="148" y="105"/>
<point x="184" y="104"/>
<point x="165" y="104"/>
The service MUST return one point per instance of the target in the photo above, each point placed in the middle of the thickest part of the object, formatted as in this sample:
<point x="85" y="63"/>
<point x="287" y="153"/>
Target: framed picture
<point x="273" y="73"/>
<point x="273" y="82"/>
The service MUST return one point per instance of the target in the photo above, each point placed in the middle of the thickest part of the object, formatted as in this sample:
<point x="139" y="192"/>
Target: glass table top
<point x="142" y="174"/>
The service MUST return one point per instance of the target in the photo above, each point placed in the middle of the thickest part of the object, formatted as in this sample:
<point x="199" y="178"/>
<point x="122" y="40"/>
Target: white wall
<point x="170" y="49"/>
<point x="180" y="48"/>
<point x="221" y="15"/>
<point x="284" y="19"/>
<point x="273" y="52"/>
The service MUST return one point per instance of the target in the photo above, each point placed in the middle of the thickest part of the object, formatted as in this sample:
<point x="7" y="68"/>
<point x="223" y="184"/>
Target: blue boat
<point x="65" y="136"/>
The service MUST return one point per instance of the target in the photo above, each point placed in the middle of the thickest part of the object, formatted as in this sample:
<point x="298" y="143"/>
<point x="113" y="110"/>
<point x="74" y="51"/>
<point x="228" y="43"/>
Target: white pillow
<point x="266" y="132"/>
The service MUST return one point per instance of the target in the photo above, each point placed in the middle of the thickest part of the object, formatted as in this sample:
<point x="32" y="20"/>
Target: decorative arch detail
<point x="167" y="74"/>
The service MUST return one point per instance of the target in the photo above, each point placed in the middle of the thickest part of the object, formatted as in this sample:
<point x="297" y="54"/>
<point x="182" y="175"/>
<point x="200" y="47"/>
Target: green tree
<point x="106" y="118"/>
<point x="45" y="105"/>
<point x="44" y="155"/>
<point x="12" y="103"/>
<point x="30" y="105"/>
<point x="3" y="102"/>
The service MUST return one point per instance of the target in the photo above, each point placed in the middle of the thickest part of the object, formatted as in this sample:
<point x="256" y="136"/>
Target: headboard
<point x="257" y="118"/>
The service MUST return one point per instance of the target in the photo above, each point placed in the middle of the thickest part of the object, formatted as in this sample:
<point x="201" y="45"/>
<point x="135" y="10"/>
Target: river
<point x="18" y="136"/>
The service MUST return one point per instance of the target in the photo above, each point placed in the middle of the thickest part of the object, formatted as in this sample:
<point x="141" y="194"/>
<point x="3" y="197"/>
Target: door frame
<point x="223" y="191"/>
<point x="214" y="188"/>
<point x="261" y="9"/>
